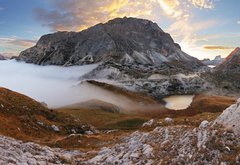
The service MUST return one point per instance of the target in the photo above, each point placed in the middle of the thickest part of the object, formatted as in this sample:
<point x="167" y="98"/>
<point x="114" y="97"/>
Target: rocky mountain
<point x="231" y="63"/>
<point x="227" y="75"/>
<point x="122" y="40"/>
<point x="216" y="61"/>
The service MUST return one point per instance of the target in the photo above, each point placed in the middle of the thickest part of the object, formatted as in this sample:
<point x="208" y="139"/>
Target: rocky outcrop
<point x="174" y="145"/>
<point x="13" y="151"/>
<point x="216" y="61"/>
<point x="122" y="40"/>
<point x="230" y="118"/>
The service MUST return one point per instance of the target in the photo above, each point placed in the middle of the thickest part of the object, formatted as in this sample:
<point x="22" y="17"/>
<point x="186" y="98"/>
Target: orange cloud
<point x="13" y="45"/>
<point x="217" y="47"/>
<point x="73" y="15"/>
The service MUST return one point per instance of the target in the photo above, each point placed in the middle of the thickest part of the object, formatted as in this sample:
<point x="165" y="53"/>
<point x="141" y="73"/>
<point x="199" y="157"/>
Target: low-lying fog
<point x="59" y="86"/>
<point x="51" y="84"/>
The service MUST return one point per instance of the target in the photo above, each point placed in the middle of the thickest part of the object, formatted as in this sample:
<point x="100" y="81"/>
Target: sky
<point x="203" y="28"/>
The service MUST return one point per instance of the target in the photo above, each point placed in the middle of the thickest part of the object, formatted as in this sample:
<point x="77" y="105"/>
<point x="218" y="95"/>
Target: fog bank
<point x="51" y="84"/>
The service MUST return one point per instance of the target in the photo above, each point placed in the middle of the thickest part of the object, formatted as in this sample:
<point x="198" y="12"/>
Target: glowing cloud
<point x="170" y="6"/>
<point x="218" y="47"/>
<point x="77" y="15"/>
<point x="207" y="4"/>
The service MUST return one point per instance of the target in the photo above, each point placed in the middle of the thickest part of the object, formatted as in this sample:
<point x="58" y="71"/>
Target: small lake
<point x="178" y="102"/>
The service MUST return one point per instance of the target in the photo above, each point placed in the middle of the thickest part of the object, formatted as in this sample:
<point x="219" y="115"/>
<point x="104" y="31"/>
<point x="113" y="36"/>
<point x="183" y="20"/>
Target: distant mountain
<point x="216" y="61"/>
<point x="122" y="40"/>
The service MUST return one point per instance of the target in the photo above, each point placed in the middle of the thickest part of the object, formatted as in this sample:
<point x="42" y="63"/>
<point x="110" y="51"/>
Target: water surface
<point x="178" y="102"/>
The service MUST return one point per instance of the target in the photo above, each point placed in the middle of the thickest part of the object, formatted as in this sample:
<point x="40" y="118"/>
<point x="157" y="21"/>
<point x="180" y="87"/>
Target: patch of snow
<point x="55" y="128"/>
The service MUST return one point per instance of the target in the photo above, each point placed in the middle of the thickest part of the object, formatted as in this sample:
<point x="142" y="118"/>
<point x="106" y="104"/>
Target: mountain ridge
<point x="122" y="40"/>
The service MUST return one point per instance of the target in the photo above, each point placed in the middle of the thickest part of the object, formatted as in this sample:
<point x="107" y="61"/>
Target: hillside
<point x="24" y="118"/>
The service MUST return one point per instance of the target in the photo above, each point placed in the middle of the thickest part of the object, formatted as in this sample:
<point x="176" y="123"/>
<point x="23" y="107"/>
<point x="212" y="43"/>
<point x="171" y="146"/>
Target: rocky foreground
<point x="214" y="142"/>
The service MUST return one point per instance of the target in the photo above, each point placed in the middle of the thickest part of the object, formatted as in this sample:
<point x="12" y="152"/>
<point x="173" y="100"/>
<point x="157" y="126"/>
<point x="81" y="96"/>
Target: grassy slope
<point x="203" y="106"/>
<point x="20" y="117"/>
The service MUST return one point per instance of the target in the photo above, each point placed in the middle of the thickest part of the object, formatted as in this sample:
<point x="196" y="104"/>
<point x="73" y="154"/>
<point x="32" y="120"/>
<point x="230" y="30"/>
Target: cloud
<point x="213" y="47"/>
<point x="181" y="9"/>
<point x="13" y="45"/>
<point x="57" y="86"/>
<point x="76" y="15"/>
<point x="238" y="22"/>
<point x="51" y="84"/>
<point x="207" y="4"/>
<point x="185" y="31"/>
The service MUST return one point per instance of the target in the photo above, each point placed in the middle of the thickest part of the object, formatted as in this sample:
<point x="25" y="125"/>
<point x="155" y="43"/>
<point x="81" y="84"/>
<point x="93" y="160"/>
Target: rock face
<point x="230" y="118"/>
<point x="13" y="151"/>
<point x="122" y="40"/>
<point x="216" y="61"/>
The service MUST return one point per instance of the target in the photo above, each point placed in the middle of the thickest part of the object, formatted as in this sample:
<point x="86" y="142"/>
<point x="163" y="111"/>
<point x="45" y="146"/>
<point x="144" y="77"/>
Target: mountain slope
<point x="23" y="118"/>
<point x="231" y="63"/>
<point x="227" y="74"/>
<point x="122" y="40"/>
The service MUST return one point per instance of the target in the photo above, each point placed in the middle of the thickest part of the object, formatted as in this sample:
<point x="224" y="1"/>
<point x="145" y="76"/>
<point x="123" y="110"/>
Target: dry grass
<point x="20" y="117"/>
<point x="106" y="120"/>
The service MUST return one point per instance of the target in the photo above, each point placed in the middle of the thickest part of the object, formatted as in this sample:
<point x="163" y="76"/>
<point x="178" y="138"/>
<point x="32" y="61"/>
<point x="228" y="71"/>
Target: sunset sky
<point x="203" y="28"/>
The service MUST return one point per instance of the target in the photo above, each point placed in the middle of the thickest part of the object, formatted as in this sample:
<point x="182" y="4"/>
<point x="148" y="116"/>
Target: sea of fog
<point x="53" y="85"/>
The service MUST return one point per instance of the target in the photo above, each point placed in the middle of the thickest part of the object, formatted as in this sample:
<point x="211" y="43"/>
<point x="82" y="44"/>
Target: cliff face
<point x="122" y="40"/>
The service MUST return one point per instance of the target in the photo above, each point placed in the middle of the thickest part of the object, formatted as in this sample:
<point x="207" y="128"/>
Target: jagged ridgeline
<point x="122" y="40"/>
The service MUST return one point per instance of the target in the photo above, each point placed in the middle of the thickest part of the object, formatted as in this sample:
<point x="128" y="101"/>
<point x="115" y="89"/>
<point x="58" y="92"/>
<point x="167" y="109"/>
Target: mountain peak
<point x="138" y="22"/>
<point x="121" y="40"/>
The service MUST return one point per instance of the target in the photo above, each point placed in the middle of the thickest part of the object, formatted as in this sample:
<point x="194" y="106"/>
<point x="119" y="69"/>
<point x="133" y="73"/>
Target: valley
<point x="120" y="92"/>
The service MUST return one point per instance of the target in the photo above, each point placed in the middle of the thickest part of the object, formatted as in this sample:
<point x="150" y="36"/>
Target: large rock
<point x="230" y="118"/>
<point x="122" y="40"/>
